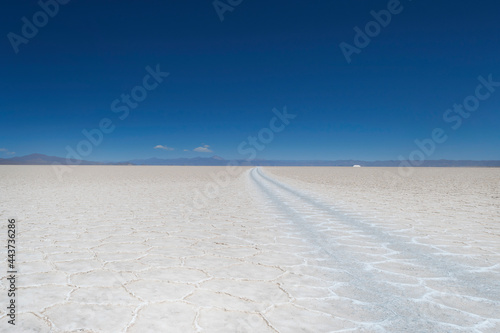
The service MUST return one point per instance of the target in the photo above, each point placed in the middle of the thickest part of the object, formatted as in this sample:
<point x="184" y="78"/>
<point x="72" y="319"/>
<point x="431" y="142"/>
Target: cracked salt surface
<point x="279" y="250"/>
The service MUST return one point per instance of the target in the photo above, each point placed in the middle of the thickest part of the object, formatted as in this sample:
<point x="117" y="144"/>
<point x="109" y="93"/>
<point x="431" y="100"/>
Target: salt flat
<point x="127" y="249"/>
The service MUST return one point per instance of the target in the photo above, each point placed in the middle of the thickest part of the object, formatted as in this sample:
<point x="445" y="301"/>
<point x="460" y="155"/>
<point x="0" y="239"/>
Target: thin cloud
<point x="163" y="147"/>
<point x="203" y="149"/>
<point x="6" y="151"/>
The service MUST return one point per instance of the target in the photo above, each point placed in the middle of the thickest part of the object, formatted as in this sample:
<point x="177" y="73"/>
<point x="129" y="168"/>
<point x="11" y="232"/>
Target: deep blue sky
<point x="226" y="77"/>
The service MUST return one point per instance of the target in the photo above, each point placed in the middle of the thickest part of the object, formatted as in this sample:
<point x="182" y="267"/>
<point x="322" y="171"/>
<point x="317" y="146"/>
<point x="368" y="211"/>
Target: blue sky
<point x="225" y="78"/>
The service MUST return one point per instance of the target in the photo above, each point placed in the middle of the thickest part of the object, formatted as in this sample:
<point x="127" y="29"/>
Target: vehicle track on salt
<point x="416" y="289"/>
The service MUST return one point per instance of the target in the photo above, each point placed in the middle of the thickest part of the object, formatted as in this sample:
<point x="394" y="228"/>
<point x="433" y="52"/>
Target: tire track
<point x="382" y="287"/>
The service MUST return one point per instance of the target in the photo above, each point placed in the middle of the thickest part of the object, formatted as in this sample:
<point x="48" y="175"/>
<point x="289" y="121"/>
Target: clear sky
<point x="225" y="78"/>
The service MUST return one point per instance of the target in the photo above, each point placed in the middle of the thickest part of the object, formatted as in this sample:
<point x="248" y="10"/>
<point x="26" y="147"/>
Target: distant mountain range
<point x="40" y="159"/>
<point x="214" y="160"/>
